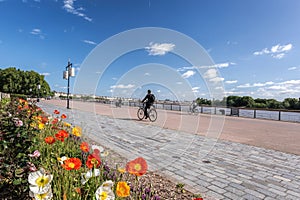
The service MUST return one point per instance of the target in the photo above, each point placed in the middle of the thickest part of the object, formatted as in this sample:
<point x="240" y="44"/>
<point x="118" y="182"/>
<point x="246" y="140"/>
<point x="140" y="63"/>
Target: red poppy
<point x="199" y="198"/>
<point x="72" y="163"/>
<point x="56" y="112"/>
<point x="55" y="120"/>
<point x="84" y="147"/>
<point x="44" y="120"/>
<point x="137" y="167"/>
<point x="93" y="160"/>
<point x="61" y="135"/>
<point x="63" y="116"/>
<point x="50" y="140"/>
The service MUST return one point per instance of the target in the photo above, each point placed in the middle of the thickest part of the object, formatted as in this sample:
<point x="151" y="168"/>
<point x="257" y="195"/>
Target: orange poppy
<point x="84" y="147"/>
<point x="72" y="163"/>
<point x="78" y="190"/>
<point x="93" y="160"/>
<point x="50" y="140"/>
<point x="63" y="116"/>
<point x="123" y="189"/>
<point x="137" y="167"/>
<point x="56" y="112"/>
<point x="61" y="135"/>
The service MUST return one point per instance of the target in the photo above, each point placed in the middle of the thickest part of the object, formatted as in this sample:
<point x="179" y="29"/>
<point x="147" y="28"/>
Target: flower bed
<point x="44" y="157"/>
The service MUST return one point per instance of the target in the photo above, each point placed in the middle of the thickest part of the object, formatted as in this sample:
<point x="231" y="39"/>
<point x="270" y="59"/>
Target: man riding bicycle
<point x="150" y="100"/>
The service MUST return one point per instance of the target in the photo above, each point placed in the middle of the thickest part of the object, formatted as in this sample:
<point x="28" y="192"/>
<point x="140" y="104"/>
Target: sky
<point x="181" y="50"/>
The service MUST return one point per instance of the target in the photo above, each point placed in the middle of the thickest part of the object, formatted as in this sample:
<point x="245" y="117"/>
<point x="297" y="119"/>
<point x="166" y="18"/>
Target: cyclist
<point x="193" y="106"/>
<point x="150" y="100"/>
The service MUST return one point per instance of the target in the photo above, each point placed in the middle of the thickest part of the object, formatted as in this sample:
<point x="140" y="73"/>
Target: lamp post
<point x="66" y="75"/>
<point x="38" y="95"/>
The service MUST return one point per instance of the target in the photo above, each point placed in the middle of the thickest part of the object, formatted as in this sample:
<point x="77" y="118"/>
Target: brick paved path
<point x="233" y="171"/>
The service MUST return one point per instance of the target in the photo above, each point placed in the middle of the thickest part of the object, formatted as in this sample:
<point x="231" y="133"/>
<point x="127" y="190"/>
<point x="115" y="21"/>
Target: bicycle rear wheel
<point x="140" y="113"/>
<point x="152" y="115"/>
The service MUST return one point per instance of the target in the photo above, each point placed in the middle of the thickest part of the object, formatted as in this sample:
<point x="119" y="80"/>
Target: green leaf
<point x="17" y="181"/>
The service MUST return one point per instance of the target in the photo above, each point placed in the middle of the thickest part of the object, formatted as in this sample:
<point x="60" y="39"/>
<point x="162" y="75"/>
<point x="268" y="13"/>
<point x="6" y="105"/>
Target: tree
<point x="202" y="101"/>
<point x="247" y="101"/>
<point x="23" y="82"/>
<point x="291" y="103"/>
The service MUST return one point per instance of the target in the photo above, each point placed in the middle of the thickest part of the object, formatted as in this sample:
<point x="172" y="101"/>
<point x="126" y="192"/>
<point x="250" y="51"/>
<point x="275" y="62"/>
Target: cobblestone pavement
<point x="215" y="168"/>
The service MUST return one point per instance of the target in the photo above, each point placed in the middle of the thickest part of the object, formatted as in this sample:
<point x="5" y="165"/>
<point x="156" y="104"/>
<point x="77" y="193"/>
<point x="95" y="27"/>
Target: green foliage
<point x="202" y="101"/>
<point x="249" y="102"/>
<point x="16" y="81"/>
<point x="15" y="142"/>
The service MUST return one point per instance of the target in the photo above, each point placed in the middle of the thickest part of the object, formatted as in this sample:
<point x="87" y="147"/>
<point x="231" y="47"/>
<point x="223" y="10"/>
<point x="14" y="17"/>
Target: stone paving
<point x="215" y="168"/>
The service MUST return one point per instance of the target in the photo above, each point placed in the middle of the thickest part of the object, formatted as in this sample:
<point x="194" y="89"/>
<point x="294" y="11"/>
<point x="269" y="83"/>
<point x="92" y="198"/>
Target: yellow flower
<point x="66" y="124"/>
<point x="123" y="190"/>
<point x="121" y="170"/>
<point x="44" y="196"/>
<point x="77" y="131"/>
<point x="103" y="195"/>
<point x="41" y="126"/>
<point x="42" y="181"/>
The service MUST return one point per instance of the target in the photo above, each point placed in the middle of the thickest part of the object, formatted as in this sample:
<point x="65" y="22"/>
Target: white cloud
<point x="38" y="32"/>
<point x="121" y="86"/>
<point x="147" y="74"/>
<point x="195" y="89"/>
<point x="70" y="8"/>
<point x="277" y="51"/>
<point x="216" y="79"/>
<point x="231" y="82"/>
<point x="188" y="74"/>
<point x="210" y="73"/>
<point x="223" y="65"/>
<point x="157" y="49"/>
<point x="247" y="85"/>
<point x="277" y="87"/>
<point x="292" y="68"/>
<point x="90" y="42"/>
<point x="219" y="65"/>
<point x="270" y="89"/>
<point x="45" y="74"/>
<point x="278" y="56"/>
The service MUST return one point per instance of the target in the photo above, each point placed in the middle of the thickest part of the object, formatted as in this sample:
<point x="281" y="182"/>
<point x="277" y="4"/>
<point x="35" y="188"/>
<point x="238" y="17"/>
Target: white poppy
<point x="40" y="181"/>
<point x="104" y="192"/>
<point x="86" y="176"/>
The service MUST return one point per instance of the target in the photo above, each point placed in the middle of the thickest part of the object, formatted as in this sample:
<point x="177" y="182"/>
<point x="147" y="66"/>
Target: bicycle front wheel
<point x="140" y="113"/>
<point x="152" y="115"/>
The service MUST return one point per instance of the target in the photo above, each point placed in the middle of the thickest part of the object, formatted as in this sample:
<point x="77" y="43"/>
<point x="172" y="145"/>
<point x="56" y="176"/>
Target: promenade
<point x="248" y="159"/>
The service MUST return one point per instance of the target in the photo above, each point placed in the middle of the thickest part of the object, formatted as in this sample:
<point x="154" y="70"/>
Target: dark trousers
<point x="146" y="109"/>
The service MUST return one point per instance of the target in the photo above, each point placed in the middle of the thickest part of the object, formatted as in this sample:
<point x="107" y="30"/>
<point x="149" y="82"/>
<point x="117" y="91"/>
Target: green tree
<point x="291" y="103"/>
<point x="274" y="104"/>
<point x="247" y="101"/>
<point x="16" y="81"/>
<point x="202" y="101"/>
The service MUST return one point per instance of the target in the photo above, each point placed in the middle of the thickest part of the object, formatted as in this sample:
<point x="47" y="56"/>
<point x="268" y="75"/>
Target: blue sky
<point x="254" y="45"/>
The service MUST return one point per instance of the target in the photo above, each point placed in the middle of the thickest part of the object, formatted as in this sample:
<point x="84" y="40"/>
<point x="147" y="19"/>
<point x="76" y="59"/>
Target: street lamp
<point x="38" y="87"/>
<point x="70" y="72"/>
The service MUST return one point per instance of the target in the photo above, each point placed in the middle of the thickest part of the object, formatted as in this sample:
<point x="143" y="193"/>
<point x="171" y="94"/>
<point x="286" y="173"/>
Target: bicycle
<point x="193" y="110"/>
<point x="151" y="113"/>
